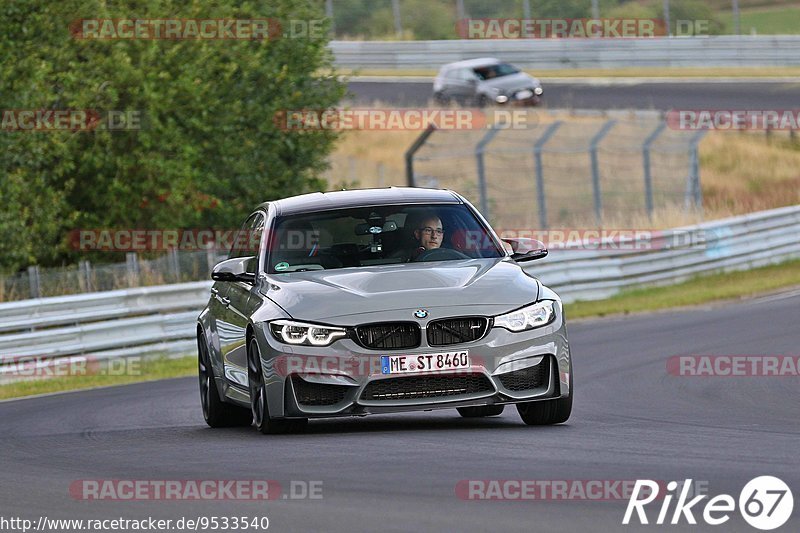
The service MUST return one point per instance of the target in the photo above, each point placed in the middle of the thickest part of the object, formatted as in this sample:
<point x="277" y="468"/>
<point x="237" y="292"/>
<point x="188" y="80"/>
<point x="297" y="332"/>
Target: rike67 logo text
<point x="765" y="503"/>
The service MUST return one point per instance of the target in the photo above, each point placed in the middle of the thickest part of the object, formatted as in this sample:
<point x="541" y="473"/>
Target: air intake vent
<point x="456" y="330"/>
<point x="389" y="335"/>
<point x="417" y="387"/>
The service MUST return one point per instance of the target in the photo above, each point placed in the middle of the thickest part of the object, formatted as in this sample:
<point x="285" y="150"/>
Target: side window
<point x="247" y="239"/>
<point x="256" y="233"/>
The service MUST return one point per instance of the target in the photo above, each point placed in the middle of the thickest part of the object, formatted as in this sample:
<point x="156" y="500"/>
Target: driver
<point x="429" y="233"/>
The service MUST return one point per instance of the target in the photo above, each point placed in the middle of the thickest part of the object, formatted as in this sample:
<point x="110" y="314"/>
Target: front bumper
<point x="345" y="379"/>
<point x="525" y="97"/>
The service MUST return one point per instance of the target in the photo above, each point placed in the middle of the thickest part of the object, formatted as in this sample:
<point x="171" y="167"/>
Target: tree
<point x="208" y="149"/>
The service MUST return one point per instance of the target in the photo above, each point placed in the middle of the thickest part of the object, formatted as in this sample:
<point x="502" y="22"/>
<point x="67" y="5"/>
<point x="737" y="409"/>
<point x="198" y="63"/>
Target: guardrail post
<point x="132" y="268"/>
<point x="538" y="147"/>
<point x="411" y="152"/>
<point x="648" y="179"/>
<point x="694" y="194"/>
<point x="598" y="201"/>
<point x="211" y="257"/>
<point x="175" y="264"/>
<point x="480" y="149"/>
<point x="85" y="275"/>
<point x="34" y="281"/>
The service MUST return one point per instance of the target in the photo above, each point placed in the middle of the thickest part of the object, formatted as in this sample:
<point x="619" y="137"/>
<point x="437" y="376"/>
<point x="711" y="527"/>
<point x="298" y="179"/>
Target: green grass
<point x="146" y="370"/>
<point x="782" y="20"/>
<point x="699" y="290"/>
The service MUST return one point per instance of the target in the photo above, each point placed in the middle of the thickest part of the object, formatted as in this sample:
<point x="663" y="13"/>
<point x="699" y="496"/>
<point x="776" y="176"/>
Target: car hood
<point x="520" y="80"/>
<point x="343" y="296"/>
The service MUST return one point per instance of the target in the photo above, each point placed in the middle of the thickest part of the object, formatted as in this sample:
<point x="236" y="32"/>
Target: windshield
<point x="495" y="71"/>
<point x="381" y="235"/>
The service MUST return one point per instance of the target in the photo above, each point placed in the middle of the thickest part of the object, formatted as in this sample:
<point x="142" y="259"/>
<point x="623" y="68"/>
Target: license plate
<point x="522" y="95"/>
<point x="432" y="362"/>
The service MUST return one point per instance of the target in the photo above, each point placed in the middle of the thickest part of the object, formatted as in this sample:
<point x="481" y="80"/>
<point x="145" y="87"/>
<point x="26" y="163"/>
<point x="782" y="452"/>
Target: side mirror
<point x="235" y="269"/>
<point x="526" y="249"/>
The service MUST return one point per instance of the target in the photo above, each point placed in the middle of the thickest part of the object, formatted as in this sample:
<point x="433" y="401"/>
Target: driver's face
<point x="430" y="233"/>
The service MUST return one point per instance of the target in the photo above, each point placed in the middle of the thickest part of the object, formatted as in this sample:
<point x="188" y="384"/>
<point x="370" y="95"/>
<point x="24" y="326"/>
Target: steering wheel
<point x="440" y="254"/>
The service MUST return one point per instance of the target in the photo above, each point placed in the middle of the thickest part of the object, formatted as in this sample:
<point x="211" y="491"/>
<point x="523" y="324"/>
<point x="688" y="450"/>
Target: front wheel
<point x="216" y="413"/>
<point x="258" y="398"/>
<point x="546" y="412"/>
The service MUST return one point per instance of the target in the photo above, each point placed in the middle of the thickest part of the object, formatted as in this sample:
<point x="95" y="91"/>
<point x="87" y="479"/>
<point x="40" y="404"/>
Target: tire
<point x="216" y="413"/>
<point x="482" y="101"/>
<point x="548" y="412"/>
<point x="441" y="98"/>
<point x="481" y="411"/>
<point x="266" y="424"/>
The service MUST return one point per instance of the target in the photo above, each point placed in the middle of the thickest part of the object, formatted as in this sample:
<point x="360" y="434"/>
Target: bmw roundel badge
<point x="421" y="313"/>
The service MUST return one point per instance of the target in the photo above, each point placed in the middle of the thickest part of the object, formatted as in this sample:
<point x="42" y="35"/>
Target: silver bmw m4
<point x="356" y="302"/>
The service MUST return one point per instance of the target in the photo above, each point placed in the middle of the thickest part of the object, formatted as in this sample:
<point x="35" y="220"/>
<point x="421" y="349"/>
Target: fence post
<point x="694" y="192"/>
<point x="34" y="281"/>
<point x="648" y="179"/>
<point x="538" y="147"/>
<point x="598" y="201"/>
<point x="352" y="172"/>
<point x="421" y="140"/>
<point x="132" y="268"/>
<point x="480" y="149"/>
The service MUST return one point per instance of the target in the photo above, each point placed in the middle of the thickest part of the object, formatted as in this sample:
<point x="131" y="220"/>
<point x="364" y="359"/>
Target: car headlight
<point x="292" y="332"/>
<point x="529" y="317"/>
<point x="537" y="91"/>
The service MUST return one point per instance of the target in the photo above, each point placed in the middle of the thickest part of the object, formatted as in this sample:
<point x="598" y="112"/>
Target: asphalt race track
<point x="661" y="96"/>
<point x="398" y="473"/>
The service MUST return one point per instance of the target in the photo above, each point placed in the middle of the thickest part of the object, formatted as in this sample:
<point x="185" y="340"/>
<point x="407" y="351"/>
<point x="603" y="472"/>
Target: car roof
<point x="324" y="201"/>
<point x="472" y="63"/>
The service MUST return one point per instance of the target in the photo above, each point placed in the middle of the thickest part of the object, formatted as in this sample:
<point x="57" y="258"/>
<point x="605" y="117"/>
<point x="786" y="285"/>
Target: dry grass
<point x="745" y="172"/>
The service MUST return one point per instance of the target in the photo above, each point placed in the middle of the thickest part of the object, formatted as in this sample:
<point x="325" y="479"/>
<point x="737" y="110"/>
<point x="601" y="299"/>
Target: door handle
<point x="225" y="301"/>
<point x="214" y="291"/>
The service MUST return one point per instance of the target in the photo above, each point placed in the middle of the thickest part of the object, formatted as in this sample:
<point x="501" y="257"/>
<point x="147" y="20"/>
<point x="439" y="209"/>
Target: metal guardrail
<point x="103" y="325"/>
<point x="737" y="243"/>
<point x="717" y="51"/>
<point x="161" y="319"/>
